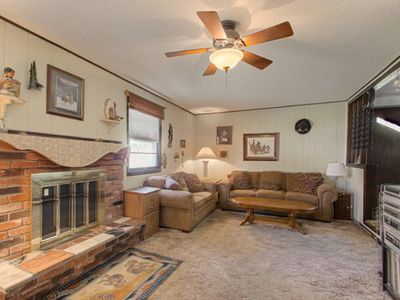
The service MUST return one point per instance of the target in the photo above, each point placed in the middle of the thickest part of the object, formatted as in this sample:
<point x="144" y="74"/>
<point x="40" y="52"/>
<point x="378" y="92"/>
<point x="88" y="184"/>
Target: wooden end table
<point x="291" y="207"/>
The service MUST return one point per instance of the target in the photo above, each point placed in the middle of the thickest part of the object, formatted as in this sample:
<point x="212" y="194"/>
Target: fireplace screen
<point x="65" y="203"/>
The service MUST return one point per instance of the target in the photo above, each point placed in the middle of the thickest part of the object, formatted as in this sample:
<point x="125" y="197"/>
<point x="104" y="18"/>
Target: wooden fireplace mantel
<point x="65" y="152"/>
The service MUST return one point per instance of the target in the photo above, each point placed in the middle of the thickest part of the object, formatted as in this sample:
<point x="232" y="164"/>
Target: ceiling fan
<point x="228" y="46"/>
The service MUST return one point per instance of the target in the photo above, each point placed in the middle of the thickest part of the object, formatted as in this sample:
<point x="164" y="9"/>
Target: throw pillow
<point x="179" y="178"/>
<point x="193" y="182"/>
<point x="308" y="183"/>
<point x="172" y="184"/>
<point x="157" y="181"/>
<point x="272" y="180"/>
<point x="240" y="180"/>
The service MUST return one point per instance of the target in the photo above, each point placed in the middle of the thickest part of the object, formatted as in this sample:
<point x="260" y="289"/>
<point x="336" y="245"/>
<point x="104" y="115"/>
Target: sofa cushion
<point x="302" y="197"/>
<point x="181" y="180"/>
<point x="172" y="184"/>
<point x="157" y="181"/>
<point x="254" y="179"/>
<point x="201" y="198"/>
<point x="242" y="193"/>
<point x="240" y="180"/>
<point x="193" y="182"/>
<point x="290" y="181"/>
<point x="308" y="183"/>
<point x="272" y="194"/>
<point x="176" y="199"/>
<point x="272" y="180"/>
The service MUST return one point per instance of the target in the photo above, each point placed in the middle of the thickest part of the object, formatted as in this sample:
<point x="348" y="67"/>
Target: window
<point x="144" y="140"/>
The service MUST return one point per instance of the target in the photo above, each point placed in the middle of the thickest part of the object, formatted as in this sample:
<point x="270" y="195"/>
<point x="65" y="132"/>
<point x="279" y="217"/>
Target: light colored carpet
<point x="222" y="260"/>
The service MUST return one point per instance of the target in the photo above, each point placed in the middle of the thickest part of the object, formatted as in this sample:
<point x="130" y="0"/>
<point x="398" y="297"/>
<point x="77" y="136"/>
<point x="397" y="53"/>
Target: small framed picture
<point x="223" y="154"/>
<point x="261" y="146"/>
<point x="64" y="93"/>
<point x="224" y="135"/>
<point x="183" y="143"/>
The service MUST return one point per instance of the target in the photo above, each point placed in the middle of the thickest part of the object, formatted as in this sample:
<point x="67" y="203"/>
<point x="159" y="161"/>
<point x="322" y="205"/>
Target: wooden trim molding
<point x="70" y="137"/>
<point x="140" y="86"/>
<point x="64" y="152"/>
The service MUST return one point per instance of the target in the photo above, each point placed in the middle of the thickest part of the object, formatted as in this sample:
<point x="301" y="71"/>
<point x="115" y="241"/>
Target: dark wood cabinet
<point x="343" y="207"/>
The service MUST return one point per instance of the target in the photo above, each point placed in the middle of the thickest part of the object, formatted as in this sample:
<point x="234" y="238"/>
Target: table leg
<point x="293" y="223"/>
<point x="249" y="217"/>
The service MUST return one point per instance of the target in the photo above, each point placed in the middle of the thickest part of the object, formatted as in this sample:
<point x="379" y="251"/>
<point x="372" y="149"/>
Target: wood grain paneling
<point x="311" y="152"/>
<point x="18" y="48"/>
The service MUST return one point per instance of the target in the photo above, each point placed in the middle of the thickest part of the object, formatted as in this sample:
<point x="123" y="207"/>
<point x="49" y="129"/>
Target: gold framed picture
<point x="261" y="146"/>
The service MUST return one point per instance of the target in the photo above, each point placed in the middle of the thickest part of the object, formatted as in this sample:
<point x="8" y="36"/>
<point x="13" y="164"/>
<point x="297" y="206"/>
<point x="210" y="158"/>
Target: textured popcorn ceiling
<point x="337" y="46"/>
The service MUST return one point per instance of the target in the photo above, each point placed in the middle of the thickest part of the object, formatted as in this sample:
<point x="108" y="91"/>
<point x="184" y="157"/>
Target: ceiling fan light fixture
<point x="226" y="59"/>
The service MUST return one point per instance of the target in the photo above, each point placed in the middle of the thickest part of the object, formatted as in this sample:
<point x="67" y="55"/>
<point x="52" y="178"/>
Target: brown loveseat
<point x="182" y="209"/>
<point x="282" y="186"/>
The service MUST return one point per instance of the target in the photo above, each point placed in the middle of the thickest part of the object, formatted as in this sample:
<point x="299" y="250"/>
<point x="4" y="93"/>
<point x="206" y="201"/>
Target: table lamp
<point x="205" y="154"/>
<point x="335" y="170"/>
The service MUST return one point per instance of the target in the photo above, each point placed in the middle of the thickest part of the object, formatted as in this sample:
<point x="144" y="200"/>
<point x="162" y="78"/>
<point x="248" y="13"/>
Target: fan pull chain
<point x="226" y="78"/>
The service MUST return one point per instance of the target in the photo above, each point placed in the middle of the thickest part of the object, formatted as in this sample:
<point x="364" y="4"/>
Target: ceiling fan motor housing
<point x="233" y="37"/>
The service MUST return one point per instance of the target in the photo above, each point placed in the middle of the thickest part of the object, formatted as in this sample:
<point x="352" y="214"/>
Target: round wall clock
<point x="302" y="126"/>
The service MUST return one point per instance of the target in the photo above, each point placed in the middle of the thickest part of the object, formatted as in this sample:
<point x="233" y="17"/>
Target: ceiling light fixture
<point x="226" y="58"/>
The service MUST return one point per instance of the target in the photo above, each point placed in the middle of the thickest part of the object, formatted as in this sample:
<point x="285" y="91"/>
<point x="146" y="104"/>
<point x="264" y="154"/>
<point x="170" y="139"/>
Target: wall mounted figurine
<point x="223" y="154"/>
<point x="33" y="81"/>
<point x="8" y="85"/>
<point x="170" y="135"/>
<point x="164" y="160"/>
<point x="302" y="126"/>
<point x="176" y="156"/>
<point x="110" y="110"/>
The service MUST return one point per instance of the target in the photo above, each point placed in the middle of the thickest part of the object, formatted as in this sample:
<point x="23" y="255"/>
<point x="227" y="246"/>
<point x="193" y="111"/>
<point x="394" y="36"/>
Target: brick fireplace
<point x="16" y="168"/>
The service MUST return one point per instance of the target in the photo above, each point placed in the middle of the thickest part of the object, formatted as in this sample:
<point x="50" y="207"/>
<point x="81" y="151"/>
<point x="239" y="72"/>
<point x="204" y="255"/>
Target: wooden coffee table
<point x="291" y="207"/>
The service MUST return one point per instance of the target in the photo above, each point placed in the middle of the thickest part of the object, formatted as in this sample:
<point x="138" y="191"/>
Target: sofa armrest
<point x="224" y="188"/>
<point x="177" y="199"/>
<point x="326" y="196"/>
<point x="327" y="192"/>
<point x="209" y="185"/>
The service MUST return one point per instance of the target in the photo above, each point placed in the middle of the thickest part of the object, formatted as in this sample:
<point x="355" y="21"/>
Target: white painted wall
<point x="18" y="49"/>
<point x="310" y="152"/>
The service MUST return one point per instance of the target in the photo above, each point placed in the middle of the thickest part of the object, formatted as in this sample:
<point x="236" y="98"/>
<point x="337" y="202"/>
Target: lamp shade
<point x="336" y="169"/>
<point x="226" y="59"/>
<point x="205" y="153"/>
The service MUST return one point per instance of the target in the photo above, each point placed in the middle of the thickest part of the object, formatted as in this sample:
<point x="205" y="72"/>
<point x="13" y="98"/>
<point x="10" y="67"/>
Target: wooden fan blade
<point x="211" y="69"/>
<point x="255" y="60"/>
<point x="269" y="34"/>
<point x="186" y="52"/>
<point x="213" y="23"/>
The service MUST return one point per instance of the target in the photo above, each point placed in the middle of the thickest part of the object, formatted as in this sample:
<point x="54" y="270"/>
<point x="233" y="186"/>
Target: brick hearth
<point x="16" y="168"/>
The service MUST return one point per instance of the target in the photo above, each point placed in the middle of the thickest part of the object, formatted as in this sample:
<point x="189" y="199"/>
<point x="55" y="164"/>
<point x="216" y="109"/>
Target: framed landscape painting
<point x="261" y="146"/>
<point x="64" y="93"/>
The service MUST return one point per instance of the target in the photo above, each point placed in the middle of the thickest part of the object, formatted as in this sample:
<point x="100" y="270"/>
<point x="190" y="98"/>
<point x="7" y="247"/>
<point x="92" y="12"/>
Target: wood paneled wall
<point x="325" y="142"/>
<point x="19" y="48"/>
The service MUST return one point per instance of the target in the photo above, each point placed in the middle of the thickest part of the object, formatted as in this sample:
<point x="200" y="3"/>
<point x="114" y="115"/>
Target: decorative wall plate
<point x="302" y="126"/>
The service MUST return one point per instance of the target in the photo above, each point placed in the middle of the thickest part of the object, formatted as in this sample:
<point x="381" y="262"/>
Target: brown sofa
<point x="181" y="209"/>
<point x="323" y="199"/>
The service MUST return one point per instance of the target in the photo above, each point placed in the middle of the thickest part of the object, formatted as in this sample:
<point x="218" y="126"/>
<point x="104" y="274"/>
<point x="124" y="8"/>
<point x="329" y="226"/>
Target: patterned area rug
<point x="133" y="274"/>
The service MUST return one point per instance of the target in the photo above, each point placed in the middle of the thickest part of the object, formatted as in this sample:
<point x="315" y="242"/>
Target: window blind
<point x="140" y="104"/>
<point x="143" y="127"/>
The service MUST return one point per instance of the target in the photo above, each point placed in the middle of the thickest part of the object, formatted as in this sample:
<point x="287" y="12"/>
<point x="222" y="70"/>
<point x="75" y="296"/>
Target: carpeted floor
<point x="222" y="260"/>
